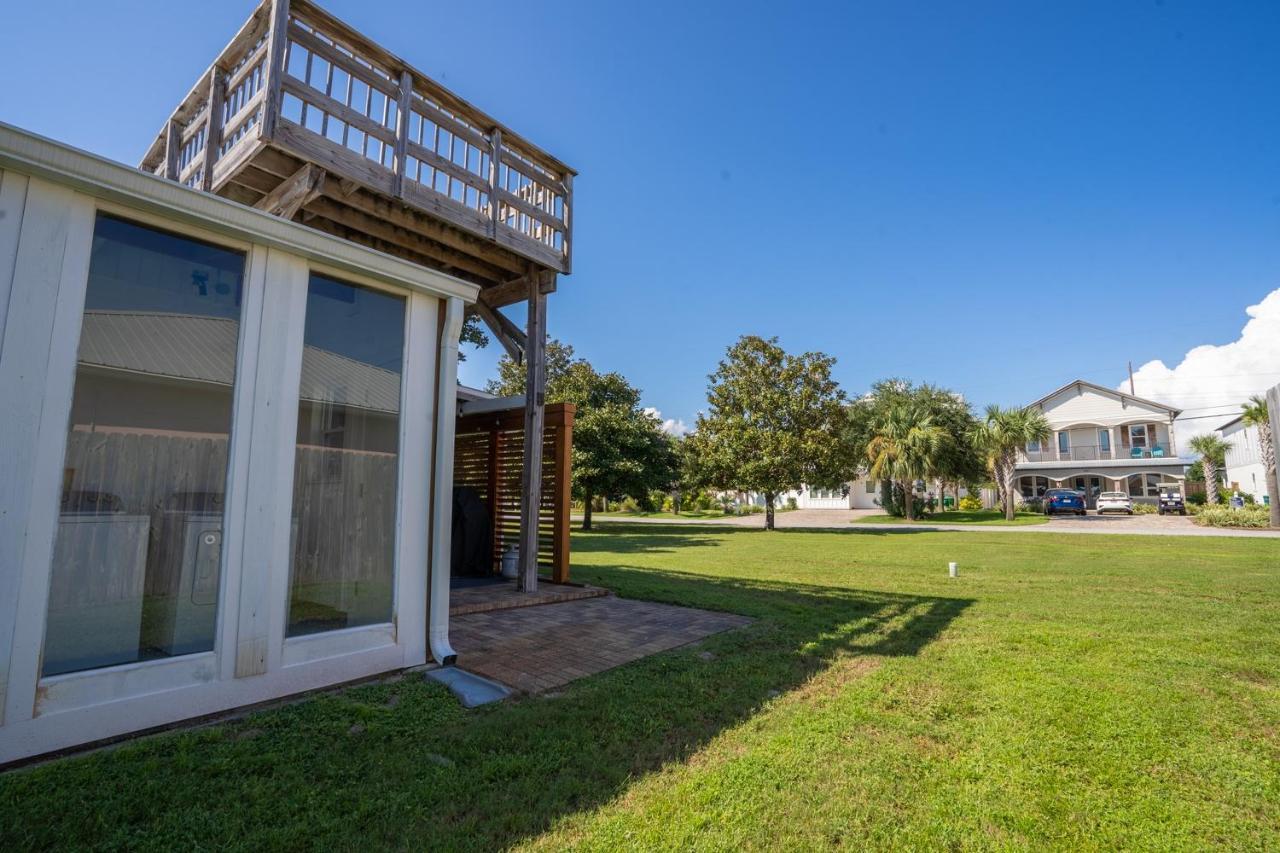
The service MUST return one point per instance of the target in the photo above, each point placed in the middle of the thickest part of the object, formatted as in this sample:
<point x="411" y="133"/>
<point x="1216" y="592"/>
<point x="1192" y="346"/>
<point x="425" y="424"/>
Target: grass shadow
<point x="402" y="765"/>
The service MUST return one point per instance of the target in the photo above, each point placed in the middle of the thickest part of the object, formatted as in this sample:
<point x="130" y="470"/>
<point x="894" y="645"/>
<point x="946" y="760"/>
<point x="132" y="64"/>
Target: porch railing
<point x="299" y="77"/>
<point x="1094" y="453"/>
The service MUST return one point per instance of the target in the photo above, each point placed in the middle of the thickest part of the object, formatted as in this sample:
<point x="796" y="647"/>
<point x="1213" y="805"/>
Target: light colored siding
<point x="1080" y="405"/>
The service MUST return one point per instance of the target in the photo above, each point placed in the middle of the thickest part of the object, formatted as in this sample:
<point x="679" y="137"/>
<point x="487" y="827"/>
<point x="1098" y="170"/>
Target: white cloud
<point x="1210" y="380"/>
<point x="671" y="426"/>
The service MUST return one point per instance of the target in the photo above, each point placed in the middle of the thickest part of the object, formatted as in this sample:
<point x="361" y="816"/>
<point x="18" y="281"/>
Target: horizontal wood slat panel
<point x="489" y="457"/>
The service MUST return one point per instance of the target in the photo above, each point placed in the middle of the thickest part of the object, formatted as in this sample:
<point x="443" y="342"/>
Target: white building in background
<point x="861" y="493"/>
<point x="1245" y="472"/>
<point x="1102" y="440"/>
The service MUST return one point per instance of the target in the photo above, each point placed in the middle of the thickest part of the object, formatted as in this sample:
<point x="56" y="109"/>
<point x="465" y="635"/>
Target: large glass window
<point x="138" y="551"/>
<point x="344" y="486"/>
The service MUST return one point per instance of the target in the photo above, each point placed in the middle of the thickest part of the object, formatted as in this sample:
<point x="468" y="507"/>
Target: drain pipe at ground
<point x="442" y="501"/>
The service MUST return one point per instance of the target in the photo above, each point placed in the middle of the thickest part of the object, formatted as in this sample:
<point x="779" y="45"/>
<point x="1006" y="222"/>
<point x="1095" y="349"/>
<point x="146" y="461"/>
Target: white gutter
<point x="442" y="500"/>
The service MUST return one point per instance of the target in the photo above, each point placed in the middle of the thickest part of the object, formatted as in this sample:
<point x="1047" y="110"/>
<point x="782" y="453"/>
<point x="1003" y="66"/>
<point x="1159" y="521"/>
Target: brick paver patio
<point x="535" y="649"/>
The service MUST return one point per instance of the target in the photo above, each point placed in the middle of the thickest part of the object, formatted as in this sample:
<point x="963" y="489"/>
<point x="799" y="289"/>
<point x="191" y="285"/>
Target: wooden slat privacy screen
<point x="489" y="457"/>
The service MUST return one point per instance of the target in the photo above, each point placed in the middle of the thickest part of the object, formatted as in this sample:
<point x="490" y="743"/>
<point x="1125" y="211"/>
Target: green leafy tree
<point x="1001" y="434"/>
<point x="472" y="334"/>
<point x="618" y="448"/>
<point x="774" y="422"/>
<point x="1256" y="414"/>
<point x="1213" y="454"/>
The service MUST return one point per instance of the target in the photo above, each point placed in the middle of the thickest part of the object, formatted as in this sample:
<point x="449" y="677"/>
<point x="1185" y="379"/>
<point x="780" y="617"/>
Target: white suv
<point x="1114" y="502"/>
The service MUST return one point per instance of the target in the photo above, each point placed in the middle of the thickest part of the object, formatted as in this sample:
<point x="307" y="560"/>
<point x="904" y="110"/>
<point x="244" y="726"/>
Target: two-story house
<point x="1245" y="472"/>
<point x="1103" y="440"/>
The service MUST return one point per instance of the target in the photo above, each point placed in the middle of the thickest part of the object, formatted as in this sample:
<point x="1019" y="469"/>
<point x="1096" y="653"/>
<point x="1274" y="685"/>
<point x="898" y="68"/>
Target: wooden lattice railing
<point x="299" y="77"/>
<point x="489" y="457"/>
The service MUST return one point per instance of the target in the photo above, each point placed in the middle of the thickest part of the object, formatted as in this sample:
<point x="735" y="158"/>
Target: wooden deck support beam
<point x="299" y="189"/>
<point x="534" y="418"/>
<point x="507" y="334"/>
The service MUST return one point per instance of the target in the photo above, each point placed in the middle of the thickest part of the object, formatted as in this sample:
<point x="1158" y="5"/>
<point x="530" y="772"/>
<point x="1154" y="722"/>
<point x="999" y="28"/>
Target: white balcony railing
<point x="1094" y="453"/>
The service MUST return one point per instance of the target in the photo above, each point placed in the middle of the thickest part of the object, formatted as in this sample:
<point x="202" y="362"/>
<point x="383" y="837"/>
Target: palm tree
<point x="1213" y="453"/>
<point x="1002" y="433"/>
<point x="1257" y="415"/>
<point x="904" y="447"/>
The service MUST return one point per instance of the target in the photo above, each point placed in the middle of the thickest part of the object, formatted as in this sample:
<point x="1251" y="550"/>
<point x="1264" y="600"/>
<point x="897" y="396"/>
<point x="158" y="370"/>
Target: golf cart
<point x="1171" y="499"/>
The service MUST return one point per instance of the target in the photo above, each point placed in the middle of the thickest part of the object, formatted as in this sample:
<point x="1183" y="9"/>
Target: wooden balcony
<point x="304" y="116"/>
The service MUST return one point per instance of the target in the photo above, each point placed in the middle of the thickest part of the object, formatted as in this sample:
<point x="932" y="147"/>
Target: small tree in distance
<point x="1213" y="452"/>
<point x="774" y="423"/>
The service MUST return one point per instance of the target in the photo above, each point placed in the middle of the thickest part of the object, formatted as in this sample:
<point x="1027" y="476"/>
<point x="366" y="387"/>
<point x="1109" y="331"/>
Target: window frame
<point x="194" y="233"/>
<point x="296" y="648"/>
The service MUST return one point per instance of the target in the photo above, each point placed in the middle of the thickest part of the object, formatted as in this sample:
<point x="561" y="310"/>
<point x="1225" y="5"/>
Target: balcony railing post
<point x="567" y="248"/>
<point x="404" y="97"/>
<point x="277" y="41"/>
<point x="495" y="161"/>
<point x="172" y="149"/>
<point x="213" y="124"/>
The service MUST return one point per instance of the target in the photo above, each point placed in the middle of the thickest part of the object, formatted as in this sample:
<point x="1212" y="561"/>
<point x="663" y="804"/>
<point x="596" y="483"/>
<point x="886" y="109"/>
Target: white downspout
<point x="442" y="488"/>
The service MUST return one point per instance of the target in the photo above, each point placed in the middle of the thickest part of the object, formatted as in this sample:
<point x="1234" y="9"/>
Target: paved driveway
<point x="842" y="519"/>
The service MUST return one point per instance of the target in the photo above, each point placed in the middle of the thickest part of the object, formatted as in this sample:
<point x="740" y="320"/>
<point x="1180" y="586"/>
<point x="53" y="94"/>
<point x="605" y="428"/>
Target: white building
<point x="1102" y="440"/>
<point x="1245" y="472"/>
<point x="226" y="465"/>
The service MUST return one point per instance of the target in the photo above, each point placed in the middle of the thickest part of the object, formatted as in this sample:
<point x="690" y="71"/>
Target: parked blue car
<point x="1064" y="500"/>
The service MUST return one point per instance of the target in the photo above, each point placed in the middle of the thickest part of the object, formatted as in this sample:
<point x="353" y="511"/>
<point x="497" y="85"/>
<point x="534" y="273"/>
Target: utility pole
<point x="1132" y="393"/>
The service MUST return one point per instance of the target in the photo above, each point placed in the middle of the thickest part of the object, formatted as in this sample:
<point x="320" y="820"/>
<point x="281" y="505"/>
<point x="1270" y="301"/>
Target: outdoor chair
<point x="1157" y="452"/>
<point x="1135" y="453"/>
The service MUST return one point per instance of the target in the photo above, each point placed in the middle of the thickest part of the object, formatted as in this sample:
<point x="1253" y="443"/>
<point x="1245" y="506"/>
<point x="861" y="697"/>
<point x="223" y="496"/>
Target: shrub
<point x="1197" y="499"/>
<point x="1225" y="516"/>
<point x="1033" y="505"/>
<point x="629" y="504"/>
<point x="970" y="503"/>
<point x="1145" y="509"/>
<point x="791" y="503"/>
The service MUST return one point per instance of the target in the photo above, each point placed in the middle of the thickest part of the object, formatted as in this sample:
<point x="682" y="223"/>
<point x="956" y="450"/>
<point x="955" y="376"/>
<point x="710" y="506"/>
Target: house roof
<point x="1119" y="395"/>
<point x="1237" y="419"/>
<point x="203" y="349"/>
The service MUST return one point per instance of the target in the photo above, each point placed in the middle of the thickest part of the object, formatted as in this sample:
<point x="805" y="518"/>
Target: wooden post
<point x="402" y="132"/>
<point x="172" y="149"/>
<point x="495" y="160"/>
<point x="534" y="416"/>
<point x="213" y="124"/>
<point x="568" y="223"/>
<point x="277" y="41"/>
<point x="564" y="474"/>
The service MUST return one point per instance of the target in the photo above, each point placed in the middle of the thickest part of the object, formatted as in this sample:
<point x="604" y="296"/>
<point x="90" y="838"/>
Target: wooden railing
<point x="300" y="78"/>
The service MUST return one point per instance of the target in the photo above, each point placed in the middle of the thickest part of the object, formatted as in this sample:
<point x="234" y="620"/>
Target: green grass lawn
<point x="981" y="516"/>
<point x="1063" y="692"/>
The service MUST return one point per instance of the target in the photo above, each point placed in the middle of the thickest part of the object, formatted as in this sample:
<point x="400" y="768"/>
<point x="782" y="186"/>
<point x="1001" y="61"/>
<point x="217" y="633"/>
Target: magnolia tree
<point x="774" y="422"/>
<point x="618" y="448"/>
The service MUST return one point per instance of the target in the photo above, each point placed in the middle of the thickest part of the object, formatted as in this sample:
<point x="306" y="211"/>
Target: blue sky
<point x="997" y="197"/>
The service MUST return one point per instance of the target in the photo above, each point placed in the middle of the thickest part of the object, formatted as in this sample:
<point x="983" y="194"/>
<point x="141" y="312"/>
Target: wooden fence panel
<point x="489" y="457"/>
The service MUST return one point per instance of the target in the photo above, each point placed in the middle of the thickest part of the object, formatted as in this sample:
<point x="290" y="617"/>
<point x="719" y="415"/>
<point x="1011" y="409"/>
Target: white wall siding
<point x="1083" y="405"/>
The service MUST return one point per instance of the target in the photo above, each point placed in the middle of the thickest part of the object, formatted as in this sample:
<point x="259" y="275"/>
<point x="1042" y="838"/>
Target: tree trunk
<point x="1010" y="508"/>
<point x="1267" y="442"/>
<point x="886" y="496"/>
<point x="586" y="513"/>
<point x="1210" y="480"/>
<point x="908" y="502"/>
<point x="768" y="510"/>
